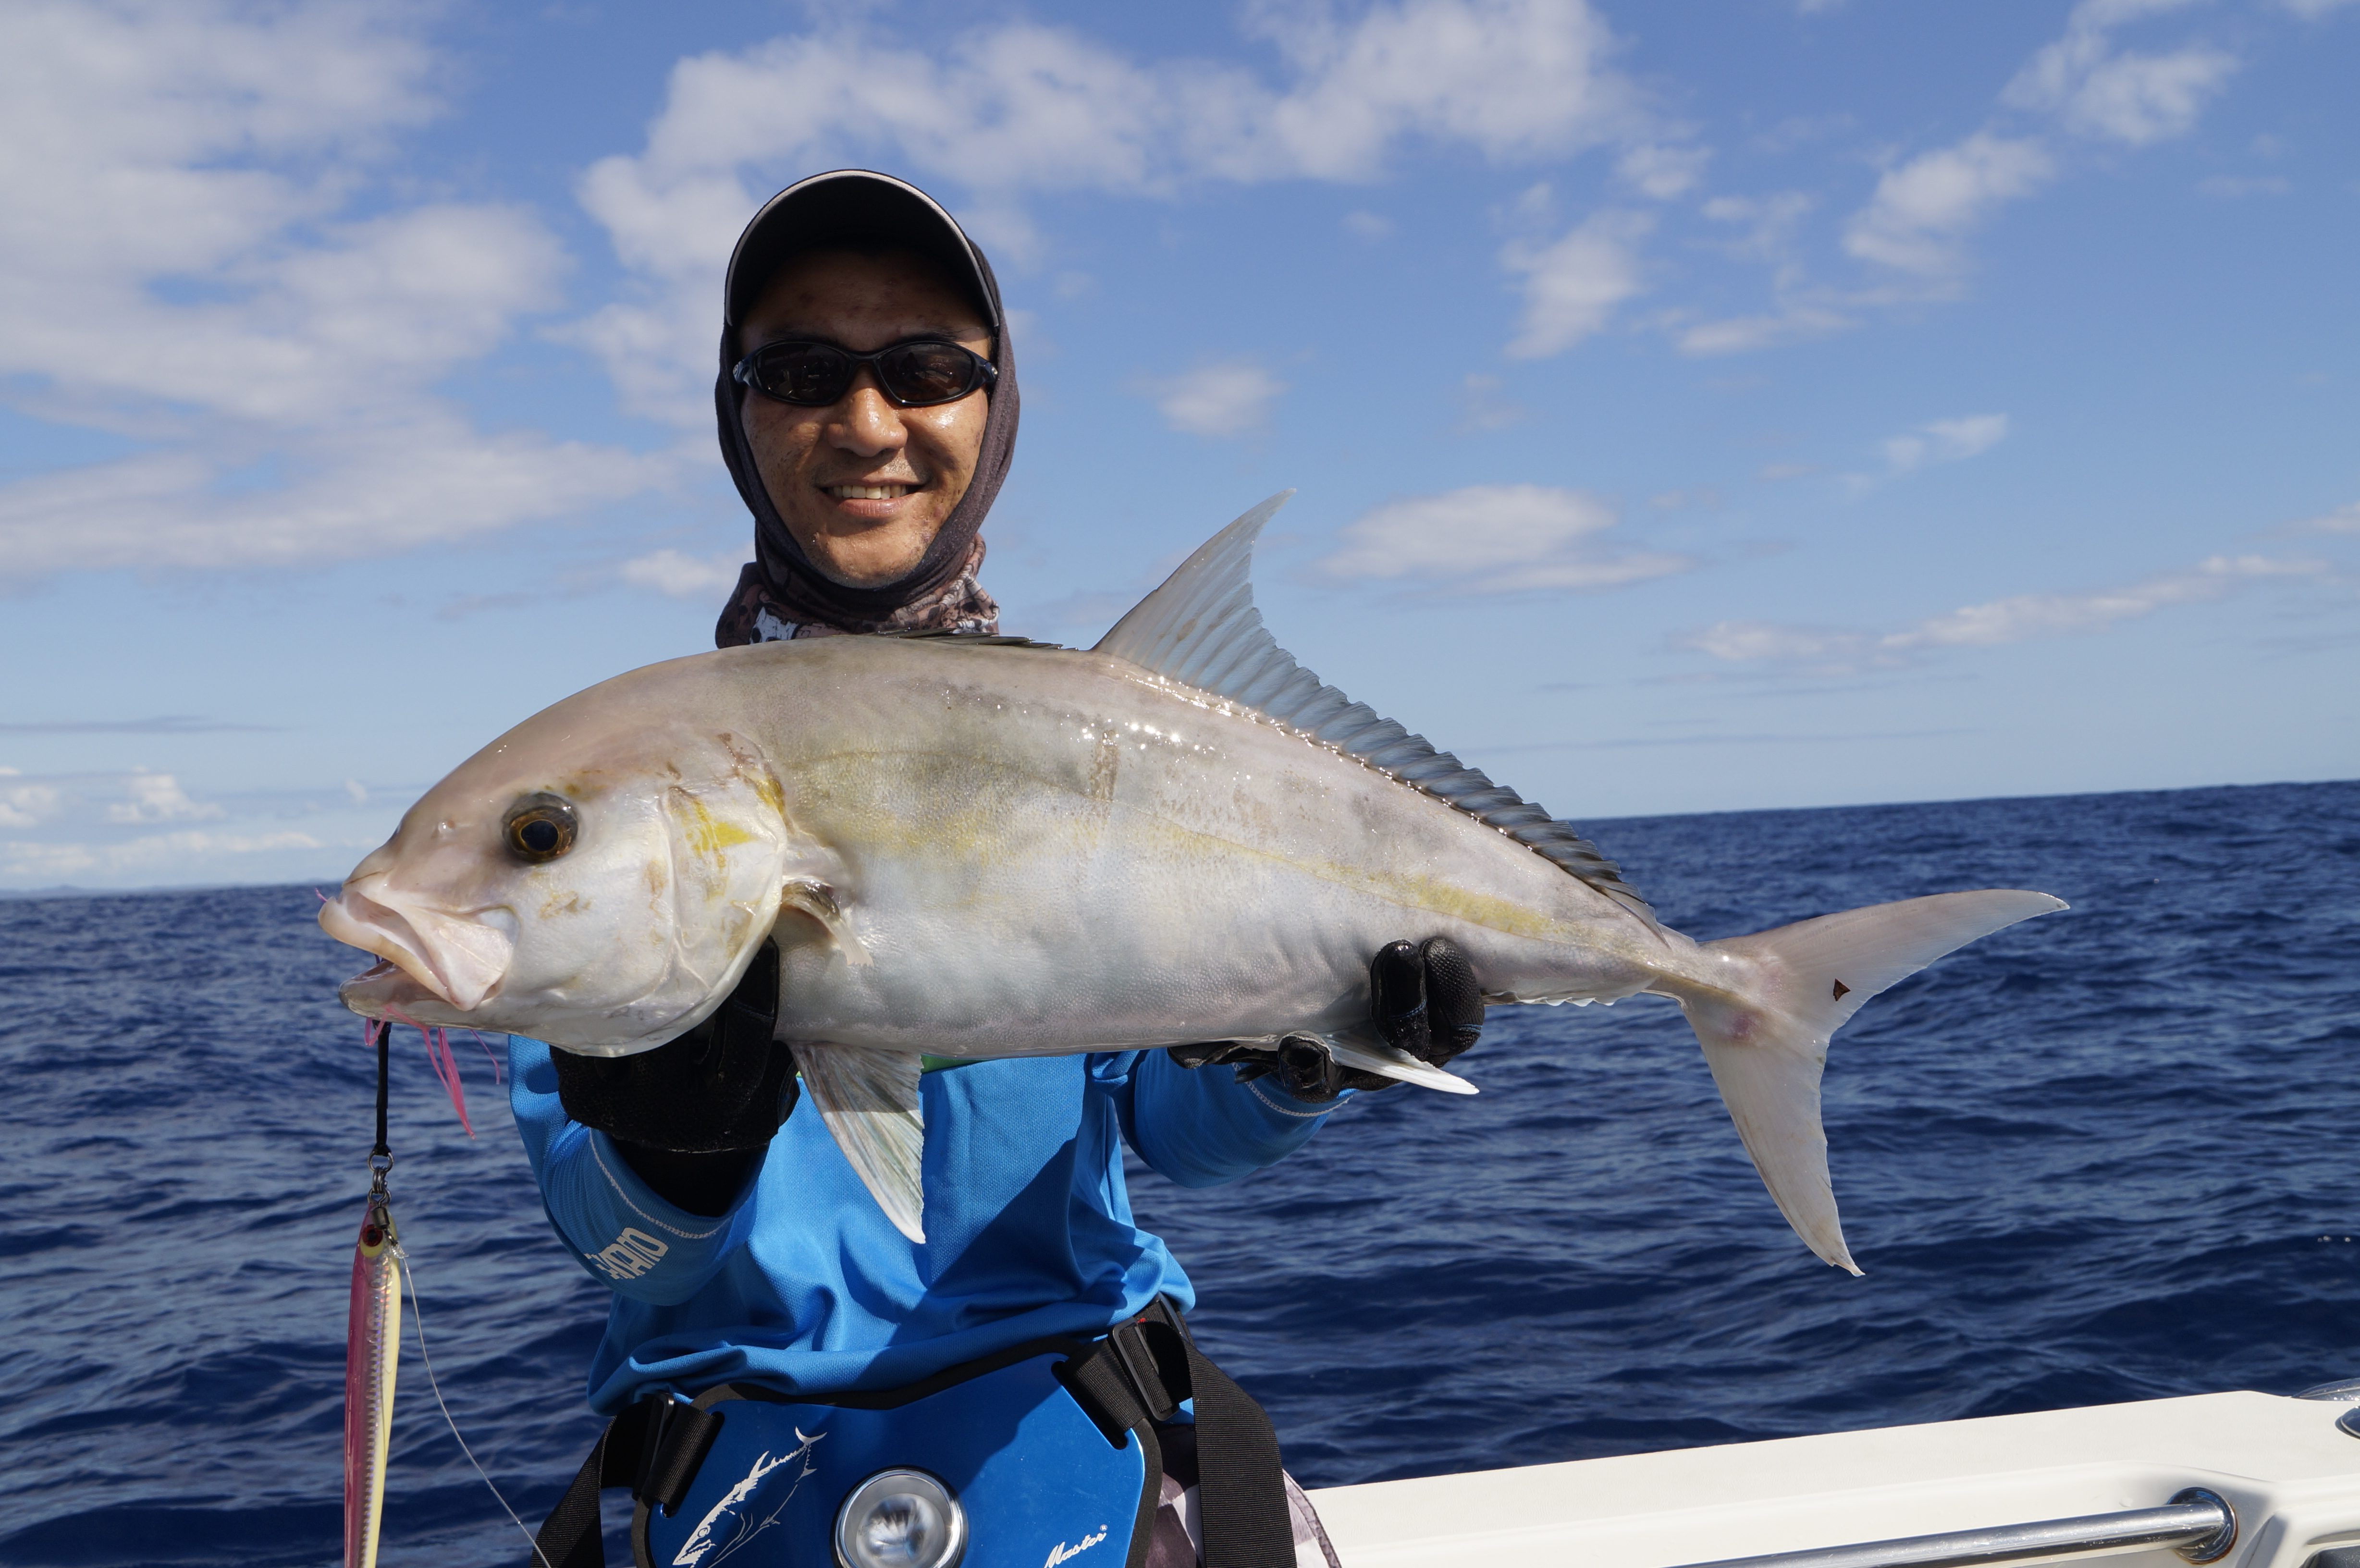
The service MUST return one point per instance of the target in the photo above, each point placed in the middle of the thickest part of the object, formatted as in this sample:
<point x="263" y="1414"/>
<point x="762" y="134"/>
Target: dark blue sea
<point x="2111" y="1154"/>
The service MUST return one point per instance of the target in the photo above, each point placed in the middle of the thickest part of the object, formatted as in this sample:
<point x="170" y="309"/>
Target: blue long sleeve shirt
<point x="804" y="1285"/>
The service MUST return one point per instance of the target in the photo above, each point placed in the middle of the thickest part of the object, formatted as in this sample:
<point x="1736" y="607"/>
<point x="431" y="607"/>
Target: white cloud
<point x="2027" y="616"/>
<point x="172" y="851"/>
<point x="1572" y="285"/>
<point x="678" y="576"/>
<point x="159" y="797"/>
<point x="1916" y="223"/>
<point x="180" y="261"/>
<point x="142" y="827"/>
<point x="2343" y="521"/>
<point x="1769" y="222"/>
<point x="1012" y="110"/>
<point x="2134" y="98"/>
<point x="1496" y="539"/>
<point x="1922" y="210"/>
<point x="1226" y="400"/>
<point x="1945" y="440"/>
<point x="1768" y="226"/>
<point x="2139" y="99"/>
<point x="2020" y="617"/>
<point x="1663" y="173"/>
<point x="1369" y="226"/>
<point x="1742" y="334"/>
<point x="2312" y="10"/>
<point x="26" y="805"/>
<point x="1511" y="78"/>
<point x="38" y="863"/>
<point x="420" y="476"/>
<point x="315" y="336"/>
<point x="1743" y="642"/>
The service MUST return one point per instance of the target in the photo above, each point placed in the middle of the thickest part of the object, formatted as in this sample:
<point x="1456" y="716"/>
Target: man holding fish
<point x="867" y="954"/>
<point x="868" y="409"/>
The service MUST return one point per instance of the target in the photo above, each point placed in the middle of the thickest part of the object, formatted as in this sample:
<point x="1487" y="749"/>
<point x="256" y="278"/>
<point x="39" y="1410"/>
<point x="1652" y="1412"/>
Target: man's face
<point x="864" y="486"/>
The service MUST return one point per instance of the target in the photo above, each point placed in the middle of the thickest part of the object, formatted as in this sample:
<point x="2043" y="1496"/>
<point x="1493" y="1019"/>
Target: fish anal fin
<point x="870" y="1101"/>
<point x="810" y="896"/>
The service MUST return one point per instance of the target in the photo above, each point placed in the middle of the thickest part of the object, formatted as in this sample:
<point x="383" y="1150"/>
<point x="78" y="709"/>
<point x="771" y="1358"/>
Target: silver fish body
<point x="1037" y="852"/>
<point x="978" y="848"/>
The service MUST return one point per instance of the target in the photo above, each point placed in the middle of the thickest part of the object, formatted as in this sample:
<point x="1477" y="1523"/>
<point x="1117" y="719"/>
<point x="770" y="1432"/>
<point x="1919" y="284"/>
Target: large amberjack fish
<point x="983" y="847"/>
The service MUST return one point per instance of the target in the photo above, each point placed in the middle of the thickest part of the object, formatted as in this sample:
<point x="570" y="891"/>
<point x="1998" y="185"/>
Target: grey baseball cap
<point x="857" y="206"/>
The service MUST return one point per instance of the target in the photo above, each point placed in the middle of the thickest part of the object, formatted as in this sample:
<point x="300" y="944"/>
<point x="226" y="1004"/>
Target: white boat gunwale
<point x="2291" y="1475"/>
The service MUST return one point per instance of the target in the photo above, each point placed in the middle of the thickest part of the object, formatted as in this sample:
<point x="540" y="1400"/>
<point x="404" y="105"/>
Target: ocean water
<point x="2106" y="1155"/>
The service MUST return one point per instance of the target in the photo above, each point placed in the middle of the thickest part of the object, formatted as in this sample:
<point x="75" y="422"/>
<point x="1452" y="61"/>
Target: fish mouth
<point x="456" y="960"/>
<point x="388" y="993"/>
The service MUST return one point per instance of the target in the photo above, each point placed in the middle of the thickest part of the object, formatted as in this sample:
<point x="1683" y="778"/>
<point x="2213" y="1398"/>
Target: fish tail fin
<point x="1765" y="1030"/>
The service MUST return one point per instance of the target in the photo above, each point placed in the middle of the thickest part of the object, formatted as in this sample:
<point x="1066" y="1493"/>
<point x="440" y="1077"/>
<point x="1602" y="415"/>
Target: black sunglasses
<point x="916" y="373"/>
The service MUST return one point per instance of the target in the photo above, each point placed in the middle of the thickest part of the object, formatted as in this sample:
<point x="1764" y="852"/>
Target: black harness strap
<point x="1243" y="1490"/>
<point x="1106" y="1395"/>
<point x="1150" y="1363"/>
<point x="653" y="1447"/>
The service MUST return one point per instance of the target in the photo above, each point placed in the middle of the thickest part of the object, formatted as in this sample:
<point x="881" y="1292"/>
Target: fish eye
<point x="540" y="827"/>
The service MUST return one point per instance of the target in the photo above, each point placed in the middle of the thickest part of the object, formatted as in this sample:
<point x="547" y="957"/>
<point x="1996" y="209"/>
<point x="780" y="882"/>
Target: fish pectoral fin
<point x="870" y="1101"/>
<point x="810" y="896"/>
<point x="1392" y="1062"/>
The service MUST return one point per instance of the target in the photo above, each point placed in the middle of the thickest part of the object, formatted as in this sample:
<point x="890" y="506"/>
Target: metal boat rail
<point x="2253" y="1481"/>
<point x="2199" y="1524"/>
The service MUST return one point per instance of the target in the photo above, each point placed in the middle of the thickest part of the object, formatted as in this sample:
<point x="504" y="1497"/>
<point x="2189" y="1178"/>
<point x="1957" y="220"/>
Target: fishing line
<point x="418" y="1321"/>
<point x="379" y="1033"/>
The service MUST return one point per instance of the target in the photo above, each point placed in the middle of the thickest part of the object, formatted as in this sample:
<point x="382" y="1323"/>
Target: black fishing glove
<point x="1423" y="1000"/>
<point x="692" y="1115"/>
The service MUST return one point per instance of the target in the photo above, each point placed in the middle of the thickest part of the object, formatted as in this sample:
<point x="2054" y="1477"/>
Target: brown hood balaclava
<point x="780" y="594"/>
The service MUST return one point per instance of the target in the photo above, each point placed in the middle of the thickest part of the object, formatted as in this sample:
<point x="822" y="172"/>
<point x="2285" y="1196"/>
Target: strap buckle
<point x="1151" y="1349"/>
<point x="673" y="1442"/>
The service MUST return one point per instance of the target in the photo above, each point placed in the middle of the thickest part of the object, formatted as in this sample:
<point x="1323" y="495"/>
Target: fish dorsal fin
<point x="1201" y="630"/>
<point x="870" y="1101"/>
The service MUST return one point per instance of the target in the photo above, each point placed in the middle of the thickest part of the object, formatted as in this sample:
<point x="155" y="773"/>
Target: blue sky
<point x="1692" y="407"/>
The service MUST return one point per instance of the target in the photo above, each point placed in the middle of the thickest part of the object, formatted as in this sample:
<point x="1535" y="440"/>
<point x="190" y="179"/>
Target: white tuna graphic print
<point x="729" y="1523"/>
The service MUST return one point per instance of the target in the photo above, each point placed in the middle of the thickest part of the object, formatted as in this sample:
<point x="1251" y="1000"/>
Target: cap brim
<point x="854" y="205"/>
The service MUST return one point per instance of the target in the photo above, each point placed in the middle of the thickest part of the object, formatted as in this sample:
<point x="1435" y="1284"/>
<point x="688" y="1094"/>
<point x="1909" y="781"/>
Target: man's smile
<point x="892" y="491"/>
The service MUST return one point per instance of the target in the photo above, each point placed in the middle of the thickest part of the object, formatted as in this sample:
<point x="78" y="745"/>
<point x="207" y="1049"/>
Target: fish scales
<point x="1044" y="809"/>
